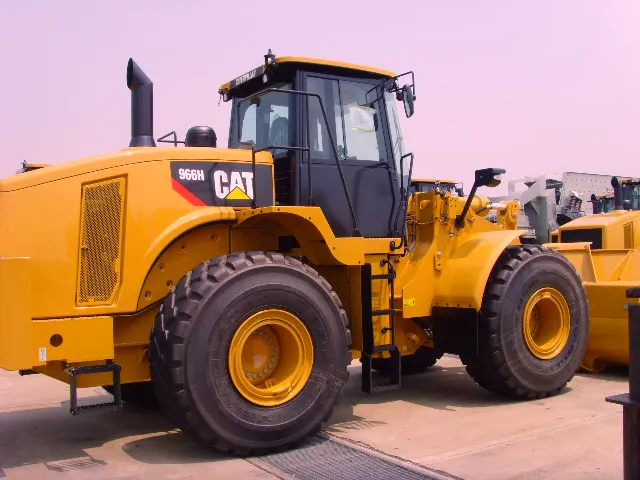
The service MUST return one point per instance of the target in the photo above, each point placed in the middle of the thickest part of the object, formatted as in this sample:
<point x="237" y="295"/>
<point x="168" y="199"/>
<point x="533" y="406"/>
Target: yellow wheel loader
<point x="612" y="235"/>
<point x="233" y="286"/>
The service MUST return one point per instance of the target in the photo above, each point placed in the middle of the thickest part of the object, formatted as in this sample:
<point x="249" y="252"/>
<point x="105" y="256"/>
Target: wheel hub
<point x="260" y="355"/>
<point x="547" y="322"/>
<point x="271" y="357"/>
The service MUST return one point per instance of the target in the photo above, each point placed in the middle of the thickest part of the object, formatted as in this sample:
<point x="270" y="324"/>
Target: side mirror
<point x="489" y="177"/>
<point x="626" y="204"/>
<point x="407" y="99"/>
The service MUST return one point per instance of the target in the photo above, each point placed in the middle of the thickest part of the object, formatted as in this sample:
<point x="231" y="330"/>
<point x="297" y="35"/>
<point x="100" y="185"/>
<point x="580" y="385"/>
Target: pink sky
<point x="532" y="87"/>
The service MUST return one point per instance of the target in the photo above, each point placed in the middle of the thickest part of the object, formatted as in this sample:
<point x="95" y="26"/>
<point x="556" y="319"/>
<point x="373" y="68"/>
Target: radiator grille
<point x="100" y="241"/>
<point x="583" y="235"/>
<point x="628" y="235"/>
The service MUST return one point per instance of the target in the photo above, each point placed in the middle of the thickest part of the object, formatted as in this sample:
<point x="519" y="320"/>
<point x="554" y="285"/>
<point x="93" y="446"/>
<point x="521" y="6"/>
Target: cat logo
<point x="233" y="185"/>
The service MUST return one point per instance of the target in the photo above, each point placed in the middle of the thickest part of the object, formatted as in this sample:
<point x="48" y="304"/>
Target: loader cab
<point x="602" y="203"/>
<point x="334" y="132"/>
<point x="625" y="196"/>
<point x="631" y="194"/>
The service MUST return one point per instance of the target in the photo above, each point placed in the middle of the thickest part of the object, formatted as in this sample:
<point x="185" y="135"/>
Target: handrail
<point x="404" y="205"/>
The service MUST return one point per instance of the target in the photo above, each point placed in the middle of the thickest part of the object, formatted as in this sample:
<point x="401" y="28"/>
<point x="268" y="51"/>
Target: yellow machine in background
<point x="613" y="238"/>
<point x="429" y="184"/>
<point x="234" y="286"/>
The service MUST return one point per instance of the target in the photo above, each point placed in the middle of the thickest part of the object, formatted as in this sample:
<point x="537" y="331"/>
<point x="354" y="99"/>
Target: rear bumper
<point x="26" y="343"/>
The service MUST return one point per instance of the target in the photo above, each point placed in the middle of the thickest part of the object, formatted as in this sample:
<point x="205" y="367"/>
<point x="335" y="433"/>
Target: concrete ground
<point x="440" y="419"/>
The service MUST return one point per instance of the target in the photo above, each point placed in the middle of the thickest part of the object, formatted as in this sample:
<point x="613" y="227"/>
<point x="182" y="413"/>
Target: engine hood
<point x="127" y="156"/>
<point x="601" y="220"/>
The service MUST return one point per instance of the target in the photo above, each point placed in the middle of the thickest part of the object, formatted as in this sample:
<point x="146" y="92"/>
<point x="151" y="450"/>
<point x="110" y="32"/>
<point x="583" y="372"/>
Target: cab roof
<point x="329" y="64"/>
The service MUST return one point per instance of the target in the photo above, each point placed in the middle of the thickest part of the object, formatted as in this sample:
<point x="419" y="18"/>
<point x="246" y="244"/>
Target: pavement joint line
<point x="512" y="439"/>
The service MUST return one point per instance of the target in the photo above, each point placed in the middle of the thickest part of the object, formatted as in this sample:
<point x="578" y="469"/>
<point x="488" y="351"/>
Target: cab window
<point x="353" y="110"/>
<point x="264" y="121"/>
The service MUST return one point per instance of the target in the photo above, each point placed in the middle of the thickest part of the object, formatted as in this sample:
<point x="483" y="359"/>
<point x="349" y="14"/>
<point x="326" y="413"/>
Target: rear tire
<point x="423" y="359"/>
<point x="194" y="352"/>
<point x="525" y="353"/>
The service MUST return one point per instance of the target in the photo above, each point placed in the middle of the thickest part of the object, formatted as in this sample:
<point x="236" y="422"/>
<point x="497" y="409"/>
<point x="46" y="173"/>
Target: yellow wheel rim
<point x="546" y="323"/>
<point x="271" y="357"/>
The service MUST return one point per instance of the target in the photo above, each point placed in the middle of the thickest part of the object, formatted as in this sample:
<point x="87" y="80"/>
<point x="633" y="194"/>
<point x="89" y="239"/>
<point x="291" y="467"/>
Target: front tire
<point x="249" y="352"/>
<point x="533" y="327"/>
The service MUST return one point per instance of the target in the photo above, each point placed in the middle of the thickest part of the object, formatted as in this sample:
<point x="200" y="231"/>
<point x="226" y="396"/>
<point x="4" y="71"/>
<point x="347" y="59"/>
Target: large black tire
<point x="140" y="394"/>
<point x="423" y="359"/>
<point x="504" y="364"/>
<point x="190" y="345"/>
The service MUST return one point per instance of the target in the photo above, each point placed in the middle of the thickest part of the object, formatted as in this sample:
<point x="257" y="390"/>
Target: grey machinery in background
<point x="548" y="203"/>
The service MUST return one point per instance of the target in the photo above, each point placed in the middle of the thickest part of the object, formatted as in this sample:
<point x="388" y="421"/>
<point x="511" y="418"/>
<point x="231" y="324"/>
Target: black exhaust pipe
<point x="617" y="193"/>
<point x="141" y="106"/>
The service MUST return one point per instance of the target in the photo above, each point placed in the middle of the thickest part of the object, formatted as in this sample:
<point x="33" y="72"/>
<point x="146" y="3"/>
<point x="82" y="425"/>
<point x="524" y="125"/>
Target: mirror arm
<point x="485" y="177"/>
<point x="460" y="219"/>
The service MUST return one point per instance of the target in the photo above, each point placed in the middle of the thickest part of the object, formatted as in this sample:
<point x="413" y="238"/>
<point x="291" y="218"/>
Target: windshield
<point x="264" y="121"/>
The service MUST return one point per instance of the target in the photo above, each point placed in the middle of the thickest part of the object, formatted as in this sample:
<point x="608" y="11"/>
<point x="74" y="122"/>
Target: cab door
<point x="357" y="125"/>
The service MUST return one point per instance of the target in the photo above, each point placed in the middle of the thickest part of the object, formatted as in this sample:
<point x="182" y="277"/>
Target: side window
<point x="320" y="140"/>
<point x="397" y="145"/>
<point x="248" y="132"/>
<point x="279" y="128"/>
<point x="360" y="110"/>
<point x="265" y="121"/>
<point x="353" y="111"/>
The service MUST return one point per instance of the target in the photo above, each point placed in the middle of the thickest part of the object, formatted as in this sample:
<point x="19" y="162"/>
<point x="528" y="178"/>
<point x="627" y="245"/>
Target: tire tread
<point x="174" y="322"/>
<point x="489" y="368"/>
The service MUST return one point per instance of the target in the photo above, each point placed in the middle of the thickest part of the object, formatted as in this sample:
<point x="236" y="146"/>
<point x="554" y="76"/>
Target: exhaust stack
<point x="141" y="106"/>
<point x="617" y="193"/>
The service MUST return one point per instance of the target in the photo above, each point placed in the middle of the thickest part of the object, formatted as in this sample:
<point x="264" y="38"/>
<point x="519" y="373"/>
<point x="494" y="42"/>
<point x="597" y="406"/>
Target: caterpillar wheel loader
<point x="613" y="236"/>
<point x="235" y="285"/>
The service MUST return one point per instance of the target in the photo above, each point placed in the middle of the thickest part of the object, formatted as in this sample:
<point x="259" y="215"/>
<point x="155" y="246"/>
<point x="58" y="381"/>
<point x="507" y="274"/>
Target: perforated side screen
<point x="100" y="241"/>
